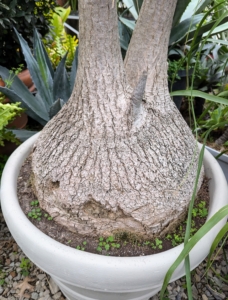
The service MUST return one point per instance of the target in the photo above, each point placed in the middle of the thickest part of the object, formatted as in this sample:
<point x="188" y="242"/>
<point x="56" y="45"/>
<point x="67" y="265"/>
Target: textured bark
<point x="118" y="157"/>
<point x="223" y="138"/>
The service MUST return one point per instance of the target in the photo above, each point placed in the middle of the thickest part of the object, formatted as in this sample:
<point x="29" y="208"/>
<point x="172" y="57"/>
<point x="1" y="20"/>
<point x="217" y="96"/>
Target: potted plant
<point x="118" y="157"/>
<point x="77" y="271"/>
<point x="20" y="120"/>
<point x="24" y="16"/>
<point x="57" y="42"/>
<point x="53" y="87"/>
<point x="8" y="141"/>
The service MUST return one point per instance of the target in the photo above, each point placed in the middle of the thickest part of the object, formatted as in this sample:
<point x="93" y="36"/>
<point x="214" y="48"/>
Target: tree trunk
<point x="118" y="157"/>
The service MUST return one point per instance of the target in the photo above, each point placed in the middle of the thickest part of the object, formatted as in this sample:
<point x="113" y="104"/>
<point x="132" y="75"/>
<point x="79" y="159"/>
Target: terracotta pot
<point x="8" y="148"/>
<point x="19" y="122"/>
<point x="26" y="78"/>
<point x="2" y="83"/>
<point x="61" y="2"/>
<point x="6" y="100"/>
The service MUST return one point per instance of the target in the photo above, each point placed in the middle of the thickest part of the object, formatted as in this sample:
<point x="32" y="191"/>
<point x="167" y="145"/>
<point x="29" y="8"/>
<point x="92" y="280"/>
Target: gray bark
<point x="118" y="157"/>
<point x="223" y="138"/>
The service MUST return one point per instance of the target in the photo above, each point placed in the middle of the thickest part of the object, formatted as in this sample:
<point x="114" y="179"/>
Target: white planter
<point x="222" y="160"/>
<point x="85" y="276"/>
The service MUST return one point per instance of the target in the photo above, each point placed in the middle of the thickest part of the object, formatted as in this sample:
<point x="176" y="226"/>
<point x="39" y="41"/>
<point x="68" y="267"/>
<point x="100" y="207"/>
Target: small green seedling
<point x="49" y="218"/>
<point x="35" y="213"/>
<point x="25" y="265"/>
<point x="157" y="244"/>
<point x="82" y="248"/>
<point x="146" y="243"/>
<point x="34" y="203"/>
<point x="200" y="211"/>
<point x="107" y="244"/>
<point x="203" y="212"/>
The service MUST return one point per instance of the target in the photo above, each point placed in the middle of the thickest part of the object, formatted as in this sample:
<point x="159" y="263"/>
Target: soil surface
<point x="117" y="246"/>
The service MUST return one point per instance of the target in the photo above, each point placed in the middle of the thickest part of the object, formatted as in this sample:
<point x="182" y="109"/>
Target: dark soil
<point x="127" y="247"/>
<point x="33" y="125"/>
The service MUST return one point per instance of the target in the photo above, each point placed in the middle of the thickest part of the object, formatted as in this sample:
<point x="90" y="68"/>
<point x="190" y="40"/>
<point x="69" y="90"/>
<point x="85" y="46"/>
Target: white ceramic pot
<point x="222" y="160"/>
<point x="85" y="276"/>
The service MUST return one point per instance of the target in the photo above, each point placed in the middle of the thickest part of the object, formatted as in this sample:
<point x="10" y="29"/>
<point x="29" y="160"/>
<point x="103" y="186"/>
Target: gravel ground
<point x="20" y="279"/>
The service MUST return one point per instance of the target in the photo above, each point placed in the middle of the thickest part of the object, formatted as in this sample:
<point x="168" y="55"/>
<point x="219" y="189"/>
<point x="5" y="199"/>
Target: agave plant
<point x="187" y="16"/>
<point x="53" y="87"/>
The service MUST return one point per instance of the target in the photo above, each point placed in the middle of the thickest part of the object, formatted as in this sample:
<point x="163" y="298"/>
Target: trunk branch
<point x="150" y="54"/>
<point x="100" y="84"/>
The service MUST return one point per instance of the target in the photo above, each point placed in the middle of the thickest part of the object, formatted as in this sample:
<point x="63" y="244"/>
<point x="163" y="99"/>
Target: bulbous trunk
<point x="118" y="157"/>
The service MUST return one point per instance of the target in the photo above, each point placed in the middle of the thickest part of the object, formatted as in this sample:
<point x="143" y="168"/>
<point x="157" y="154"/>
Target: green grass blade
<point x="217" y="217"/>
<point x="196" y="93"/>
<point x="216" y="241"/>
<point x="189" y="222"/>
<point x="188" y="277"/>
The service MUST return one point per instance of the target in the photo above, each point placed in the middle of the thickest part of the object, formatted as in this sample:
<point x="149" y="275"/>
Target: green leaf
<point x="130" y="5"/>
<point x="56" y="107"/>
<point x="217" y="217"/>
<point x="184" y="28"/>
<point x="195" y="7"/>
<point x="218" y="29"/>
<point x="110" y="239"/>
<point x="45" y="69"/>
<point x="222" y="42"/>
<point x="196" y="93"/>
<point x="39" y="72"/>
<point x="138" y="5"/>
<point x="130" y="24"/>
<point x="4" y="6"/>
<point x="179" y="11"/>
<point x="74" y="68"/>
<point x="23" y="134"/>
<point x="61" y="86"/>
<point x="124" y="35"/>
<point x="107" y="247"/>
<point x="18" y="92"/>
<point x="8" y="112"/>
<point x="216" y="241"/>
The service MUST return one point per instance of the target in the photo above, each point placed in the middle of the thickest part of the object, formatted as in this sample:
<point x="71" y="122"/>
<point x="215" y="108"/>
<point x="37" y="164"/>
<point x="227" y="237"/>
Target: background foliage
<point x="24" y="15"/>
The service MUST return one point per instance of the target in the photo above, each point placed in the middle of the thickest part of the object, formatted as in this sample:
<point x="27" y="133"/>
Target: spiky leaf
<point x="74" y="70"/>
<point x="61" y="86"/>
<point x="56" y="107"/>
<point x="39" y="72"/>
